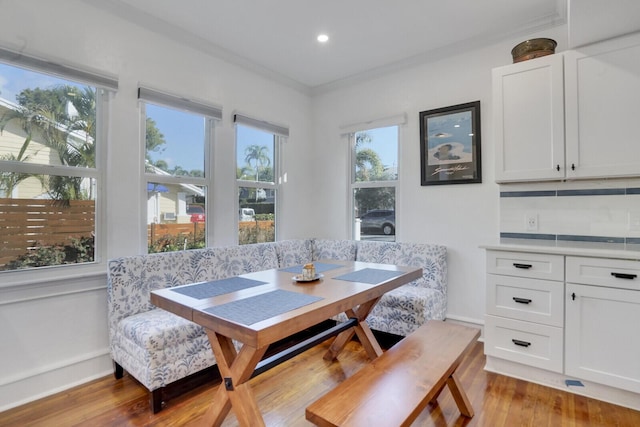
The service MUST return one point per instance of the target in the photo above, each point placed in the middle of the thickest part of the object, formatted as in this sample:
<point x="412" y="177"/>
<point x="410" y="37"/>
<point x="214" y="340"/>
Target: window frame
<point x="105" y="87"/>
<point x="212" y="115"/>
<point x="280" y="137"/>
<point x="350" y="132"/>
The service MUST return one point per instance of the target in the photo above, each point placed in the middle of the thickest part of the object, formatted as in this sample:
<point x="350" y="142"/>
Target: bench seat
<point x="395" y="388"/>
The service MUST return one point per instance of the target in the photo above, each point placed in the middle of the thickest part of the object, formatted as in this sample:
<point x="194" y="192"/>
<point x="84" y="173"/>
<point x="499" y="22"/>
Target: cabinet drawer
<point x="528" y="343"/>
<point x="538" y="266"/>
<point x="614" y="273"/>
<point x="532" y="300"/>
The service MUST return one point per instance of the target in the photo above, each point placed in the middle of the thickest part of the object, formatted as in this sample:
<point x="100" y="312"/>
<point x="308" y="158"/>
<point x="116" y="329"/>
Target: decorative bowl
<point x="533" y="48"/>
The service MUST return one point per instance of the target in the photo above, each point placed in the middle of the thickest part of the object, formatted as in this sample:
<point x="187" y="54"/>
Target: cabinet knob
<point x="522" y="300"/>
<point x="558" y="168"/>
<point x="573" y="167"/>
<point x="573" y="296"/>
<point x="520" y="343"/>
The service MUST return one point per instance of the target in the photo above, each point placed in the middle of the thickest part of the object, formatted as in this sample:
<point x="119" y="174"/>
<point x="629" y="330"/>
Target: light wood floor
<point x="285" y="391"/>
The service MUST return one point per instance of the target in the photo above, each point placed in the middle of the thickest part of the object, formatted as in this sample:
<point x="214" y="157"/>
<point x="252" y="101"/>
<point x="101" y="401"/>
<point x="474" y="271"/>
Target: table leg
<point x="234" y="392"/>
<point x="366" y="337"/>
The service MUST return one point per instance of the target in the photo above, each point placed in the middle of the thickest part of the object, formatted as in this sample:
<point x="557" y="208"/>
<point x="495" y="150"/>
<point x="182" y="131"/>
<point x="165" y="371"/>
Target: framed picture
<point x="450" y="145"/>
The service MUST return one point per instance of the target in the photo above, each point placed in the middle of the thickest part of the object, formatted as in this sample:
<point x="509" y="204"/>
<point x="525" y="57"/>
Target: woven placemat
<point x="261" y="307"/>
<point x="217" y="287"/>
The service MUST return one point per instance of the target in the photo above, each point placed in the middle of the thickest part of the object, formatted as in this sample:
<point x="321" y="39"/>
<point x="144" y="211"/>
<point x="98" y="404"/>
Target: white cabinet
<point x="602" y="89"/>
<point x="553" y="317"/>
<point x="528" y="108"/>
<point x="591" y="94"/>
<point x="525" y="308"/>
<point x="602" y="317"/>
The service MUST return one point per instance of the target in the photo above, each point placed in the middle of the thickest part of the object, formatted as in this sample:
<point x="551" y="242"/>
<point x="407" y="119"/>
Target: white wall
<point x="462" y="216"/>
<point x="53" y="332"/>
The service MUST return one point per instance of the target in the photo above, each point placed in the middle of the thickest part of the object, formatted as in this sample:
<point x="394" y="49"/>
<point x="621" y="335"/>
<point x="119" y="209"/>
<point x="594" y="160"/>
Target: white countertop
<point x="552" y="248"/>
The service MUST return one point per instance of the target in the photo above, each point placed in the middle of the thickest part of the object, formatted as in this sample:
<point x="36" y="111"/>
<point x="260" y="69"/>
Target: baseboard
<point x="467" y="321"/>
<point x="45" y="381"/>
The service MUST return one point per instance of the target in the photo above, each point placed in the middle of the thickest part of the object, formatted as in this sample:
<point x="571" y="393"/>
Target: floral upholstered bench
<point x="158" y="348"/>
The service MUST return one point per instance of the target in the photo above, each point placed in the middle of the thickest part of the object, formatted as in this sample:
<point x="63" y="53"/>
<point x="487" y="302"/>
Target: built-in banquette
<point x="158" y="348"/>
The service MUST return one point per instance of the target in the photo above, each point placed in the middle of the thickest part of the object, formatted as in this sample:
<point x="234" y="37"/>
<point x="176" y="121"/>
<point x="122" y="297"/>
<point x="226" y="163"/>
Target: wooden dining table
<point x="258" y="309"/>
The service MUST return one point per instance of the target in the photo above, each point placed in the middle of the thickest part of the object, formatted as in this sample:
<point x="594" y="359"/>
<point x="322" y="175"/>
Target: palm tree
<point x="258" y="154"/>
<point x="9" y="180"/>
<point x="70" y="135"/>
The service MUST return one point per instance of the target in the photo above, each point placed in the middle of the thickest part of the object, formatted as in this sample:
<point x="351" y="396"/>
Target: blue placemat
<point x="217" y="287"/>
<point x="369" y="275"/>
<point x="321" y="267"/>
<point x="261" y="307"/>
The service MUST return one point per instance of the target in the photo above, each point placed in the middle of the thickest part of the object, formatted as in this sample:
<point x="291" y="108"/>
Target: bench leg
<point x="155" y="400"/>
<point x="464" y="405"/>
<point x="118" y="371"/>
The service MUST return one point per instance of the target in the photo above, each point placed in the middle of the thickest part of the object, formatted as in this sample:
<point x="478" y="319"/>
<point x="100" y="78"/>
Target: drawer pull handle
<point x="524" y="266"/>
<point x="522" y="300"/>
<point x="521" y="343"/>
<point x="624" y="276"/>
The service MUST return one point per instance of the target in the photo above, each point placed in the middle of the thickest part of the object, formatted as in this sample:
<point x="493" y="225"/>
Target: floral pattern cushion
<point x="293" y="252"/>
<point x="404" y="309"/>
<point x="334" y="249"/>
<point x="158" y="347"/>
<point x="153" y="345"/>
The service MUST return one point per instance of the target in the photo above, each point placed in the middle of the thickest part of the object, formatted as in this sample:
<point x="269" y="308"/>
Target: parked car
<point x="247" y="214"/>
<point x="196" y="212"/>
<point x="379" y="221"/>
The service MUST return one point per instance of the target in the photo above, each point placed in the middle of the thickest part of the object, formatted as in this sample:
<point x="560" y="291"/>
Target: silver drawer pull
<point x="624" y="276"/>
<point x="523" y="266"/>
<point x="521" y="343"/>
<point x="522" y="300"/>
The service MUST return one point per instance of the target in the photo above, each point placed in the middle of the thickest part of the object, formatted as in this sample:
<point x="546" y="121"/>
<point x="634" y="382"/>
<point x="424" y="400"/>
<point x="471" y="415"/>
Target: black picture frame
<point x="450" y="140"/>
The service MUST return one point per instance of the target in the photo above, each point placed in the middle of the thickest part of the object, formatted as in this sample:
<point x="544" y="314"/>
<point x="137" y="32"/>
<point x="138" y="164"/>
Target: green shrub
<point x="78" y="251"/>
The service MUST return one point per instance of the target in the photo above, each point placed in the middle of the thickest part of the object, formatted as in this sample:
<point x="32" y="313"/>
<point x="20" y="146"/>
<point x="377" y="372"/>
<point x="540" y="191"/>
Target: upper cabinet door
<point x="603" y="109"/>
<point x="528" y="102"/>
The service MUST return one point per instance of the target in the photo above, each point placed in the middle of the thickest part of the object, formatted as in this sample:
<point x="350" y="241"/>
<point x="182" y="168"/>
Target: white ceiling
<point x="278" y="37"/>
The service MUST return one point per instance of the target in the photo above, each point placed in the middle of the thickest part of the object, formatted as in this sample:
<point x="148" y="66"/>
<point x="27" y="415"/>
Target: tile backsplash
<point x="604" y="212"/>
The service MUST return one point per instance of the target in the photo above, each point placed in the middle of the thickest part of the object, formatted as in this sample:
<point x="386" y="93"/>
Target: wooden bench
<point x="396" y="387"/>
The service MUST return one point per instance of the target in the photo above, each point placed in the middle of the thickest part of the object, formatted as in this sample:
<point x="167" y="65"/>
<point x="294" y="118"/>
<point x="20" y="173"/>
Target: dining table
<point x="255" y="310"/>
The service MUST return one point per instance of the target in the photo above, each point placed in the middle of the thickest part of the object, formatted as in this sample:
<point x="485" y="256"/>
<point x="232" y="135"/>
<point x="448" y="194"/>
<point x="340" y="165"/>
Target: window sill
<point x="50" y="275"/>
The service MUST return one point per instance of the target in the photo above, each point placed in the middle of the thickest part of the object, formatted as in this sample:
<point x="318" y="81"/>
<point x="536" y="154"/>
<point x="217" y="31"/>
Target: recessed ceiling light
<point x="323" y="38"/>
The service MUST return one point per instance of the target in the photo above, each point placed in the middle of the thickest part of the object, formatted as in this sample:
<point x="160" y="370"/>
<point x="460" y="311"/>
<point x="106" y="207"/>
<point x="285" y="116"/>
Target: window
<point x="374" y="180"/>
<point x="177" y="135"/>
<point x="257" y="174"/>
<point x="51" y="133"/>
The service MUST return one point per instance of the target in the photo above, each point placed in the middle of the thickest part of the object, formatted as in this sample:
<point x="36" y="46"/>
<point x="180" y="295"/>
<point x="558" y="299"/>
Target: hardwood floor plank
<point x="284" y="392"/>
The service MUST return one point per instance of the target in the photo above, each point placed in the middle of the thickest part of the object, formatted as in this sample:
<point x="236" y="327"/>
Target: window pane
<point x="174" y="142"/>
<point x="46" y="120"/>
<point x="256" y="215"/>
<point x="376" y="154"/>
<point x="176" y="217"/>
<point x="46" y="216"/>
<point x="39" y="231"/>
<point x="375" y="213"/>
<point x="255" y="154"/>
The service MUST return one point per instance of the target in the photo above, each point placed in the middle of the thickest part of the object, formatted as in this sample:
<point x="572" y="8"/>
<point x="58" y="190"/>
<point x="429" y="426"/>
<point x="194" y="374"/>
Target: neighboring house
<point x="12" y="139"/>
<point x="167" y="203"/>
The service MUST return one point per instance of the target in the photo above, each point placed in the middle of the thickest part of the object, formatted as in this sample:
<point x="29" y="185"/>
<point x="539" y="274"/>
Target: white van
<point x="247" y="214"/>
